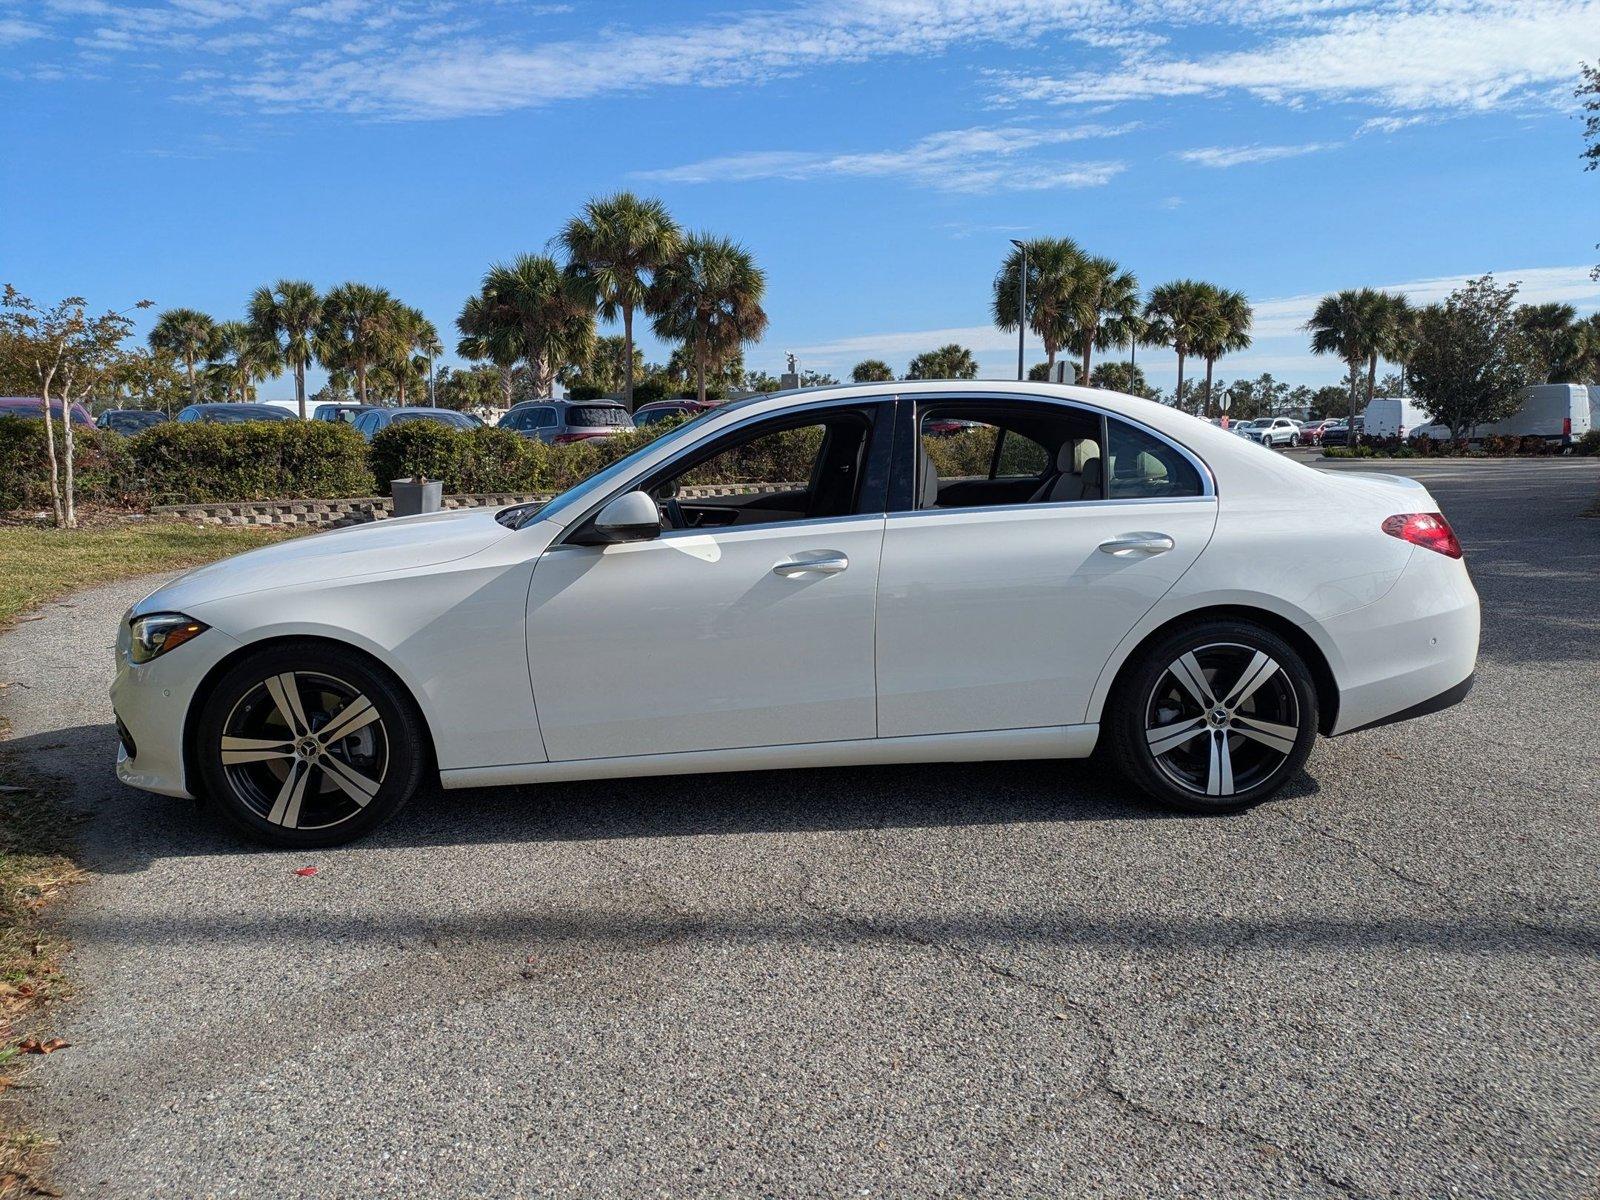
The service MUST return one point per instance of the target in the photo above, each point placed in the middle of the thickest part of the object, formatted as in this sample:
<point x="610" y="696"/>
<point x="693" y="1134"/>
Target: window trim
<point x="903" y="489"/>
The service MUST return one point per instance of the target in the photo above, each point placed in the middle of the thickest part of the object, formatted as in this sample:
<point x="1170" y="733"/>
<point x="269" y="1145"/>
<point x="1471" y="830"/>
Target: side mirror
<point x="631" y="517"/>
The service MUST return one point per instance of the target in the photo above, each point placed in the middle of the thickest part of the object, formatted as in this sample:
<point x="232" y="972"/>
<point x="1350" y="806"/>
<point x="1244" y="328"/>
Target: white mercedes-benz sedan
<point x="886" y="573"/>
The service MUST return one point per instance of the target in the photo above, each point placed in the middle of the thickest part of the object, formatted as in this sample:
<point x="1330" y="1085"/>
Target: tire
<point x="1240" y="751"/>
<point x="1266" y="440"/>
<point x="278" y="779"/>
<point x="1294" y="441"/>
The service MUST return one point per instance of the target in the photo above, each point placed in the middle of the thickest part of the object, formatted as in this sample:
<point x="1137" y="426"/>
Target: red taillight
<point x="1566" y="427"/>
<point x="1428" y="530"/>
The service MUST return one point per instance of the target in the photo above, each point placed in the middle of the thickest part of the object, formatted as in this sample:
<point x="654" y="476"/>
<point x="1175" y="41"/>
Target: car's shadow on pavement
<point x="125" y="829"/>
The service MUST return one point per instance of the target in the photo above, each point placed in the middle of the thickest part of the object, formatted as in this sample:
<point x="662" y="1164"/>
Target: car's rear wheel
<point x="1213" y="717"/>
<point x="305" y="744"/>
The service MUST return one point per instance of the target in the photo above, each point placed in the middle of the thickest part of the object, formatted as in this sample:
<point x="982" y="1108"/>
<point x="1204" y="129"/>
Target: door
<point x="998" y="614"/>
<point x="748" y="622"/>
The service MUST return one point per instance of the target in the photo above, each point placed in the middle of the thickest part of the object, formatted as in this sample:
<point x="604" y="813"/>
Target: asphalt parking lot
<point x="938" y="981"/>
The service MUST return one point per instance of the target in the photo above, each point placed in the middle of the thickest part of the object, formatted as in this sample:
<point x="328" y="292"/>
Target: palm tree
<point x="356" y="330"/>
<point x="1352" y="325"/>
<point x="947" y="362"/>
<point x="872" y="370"/>
<point x="542" y="312"/>
<point x="1054" y="267"/>
<point x="486" y="338"/>
<point x="612" y="246"/>
<point x="1105" y="297"/>
<point x="1404" y="333"/>
<point x="287" y="314"/>
<point x="1175" y="315"/>
<point x="1226" y="329"/>
<point x="412" y="345"/>
<point x="240" y="356"/>
<point x="708" y="296"/>
<point x="1555" y="337"/>
<point x="188" y="336"/>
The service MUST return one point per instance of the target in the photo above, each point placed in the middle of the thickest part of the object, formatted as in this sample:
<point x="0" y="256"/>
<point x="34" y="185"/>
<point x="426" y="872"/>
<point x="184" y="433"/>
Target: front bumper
<point x="151" y="702"/>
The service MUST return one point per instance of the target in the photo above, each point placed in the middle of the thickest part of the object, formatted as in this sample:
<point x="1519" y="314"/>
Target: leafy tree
<point x="1175" y="316"/>
<point x="288" y="314"/>
<point x="947" y="362"/>
<point x="70" y="353"/>
<point x="356" y="331"/>
<point x="1122" y="377"/>
<point x="1588" y="91"/>
<point x="1263" y="396"/>
<point x="1326" y="402"/>
<point x="474" y="390"/>
<point x="142" y="378"/>
<point x="613" y="246"/>
<point x="810" y="378"/>
<point x="1105" y="300"/>
<point x="871" y="370"/>
<point x="761" y="381"/>
<point x="1054" y="269"/>
<point x="1472" y="360"/>
<point x="1226" y="328"/>
<point x="1040" y="373"/>
<point x="187" y="336"/>
<point x="1352" y="324"/>
<point x="605" y="369"/>
<point x="708" y="296"/>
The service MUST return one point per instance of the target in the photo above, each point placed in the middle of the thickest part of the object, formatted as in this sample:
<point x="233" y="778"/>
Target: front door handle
<point x="827" y="562"/>
<point x="1128" y="545"/>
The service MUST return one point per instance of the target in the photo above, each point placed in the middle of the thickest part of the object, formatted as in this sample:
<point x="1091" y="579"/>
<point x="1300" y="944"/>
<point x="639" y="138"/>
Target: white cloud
<point x="14" y="30"/>
<point x="1389" y="124"/>
<point x="1407" y="54"/>
<point x="958" y="160"/>
<point x="1233" y="156"/>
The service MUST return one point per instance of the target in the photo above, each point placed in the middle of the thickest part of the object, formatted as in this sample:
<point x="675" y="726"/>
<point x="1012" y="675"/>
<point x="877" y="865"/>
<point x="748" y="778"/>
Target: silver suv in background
<point x="1270" y="431"/>
<point x="563" y="421"/>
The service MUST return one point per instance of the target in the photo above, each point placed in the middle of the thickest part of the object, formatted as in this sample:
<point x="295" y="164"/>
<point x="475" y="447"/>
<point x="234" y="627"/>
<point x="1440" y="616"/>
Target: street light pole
<point x="1022" y="303"/>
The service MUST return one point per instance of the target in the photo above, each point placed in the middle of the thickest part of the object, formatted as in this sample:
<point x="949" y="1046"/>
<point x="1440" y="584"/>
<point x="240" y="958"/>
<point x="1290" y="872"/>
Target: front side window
<point x="1143" y="467"/>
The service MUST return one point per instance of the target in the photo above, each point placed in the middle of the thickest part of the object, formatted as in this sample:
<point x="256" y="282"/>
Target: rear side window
<point x="597" y="416"/>
<point x="1143" y="467"/>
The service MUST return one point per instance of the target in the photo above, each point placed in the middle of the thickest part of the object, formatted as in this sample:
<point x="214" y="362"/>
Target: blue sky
<point x="875" y="156"/>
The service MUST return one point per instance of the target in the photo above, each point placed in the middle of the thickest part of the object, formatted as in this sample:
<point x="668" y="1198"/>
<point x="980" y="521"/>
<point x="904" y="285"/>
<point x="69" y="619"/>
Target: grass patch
<point x="37" y="565"/>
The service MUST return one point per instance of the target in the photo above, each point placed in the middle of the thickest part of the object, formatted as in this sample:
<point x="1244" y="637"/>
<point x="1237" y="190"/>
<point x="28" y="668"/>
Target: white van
<point x="292" y="407"/>
<point x="1557" y="412"/>
<point x="1393" y="416"/>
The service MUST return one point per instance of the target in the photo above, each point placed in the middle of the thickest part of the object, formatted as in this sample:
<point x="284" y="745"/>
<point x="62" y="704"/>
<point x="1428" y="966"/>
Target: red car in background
<point x="1311" y="432"/>
<point x="32" y="406"/>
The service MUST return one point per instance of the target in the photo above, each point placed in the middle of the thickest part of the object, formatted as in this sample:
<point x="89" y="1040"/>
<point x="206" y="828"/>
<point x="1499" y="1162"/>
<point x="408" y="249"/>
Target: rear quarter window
<point x="1143" y="467"/>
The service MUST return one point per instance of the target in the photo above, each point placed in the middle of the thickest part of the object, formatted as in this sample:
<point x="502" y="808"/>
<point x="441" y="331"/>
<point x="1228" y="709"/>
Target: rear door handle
<point x="827" y="562"/>
<point x="1127" y="545"/>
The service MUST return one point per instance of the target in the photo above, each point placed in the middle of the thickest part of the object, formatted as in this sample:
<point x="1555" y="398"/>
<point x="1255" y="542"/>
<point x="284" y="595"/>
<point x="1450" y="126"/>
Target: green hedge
<point x="103" y="468"/>
<point x="200" y="463"/>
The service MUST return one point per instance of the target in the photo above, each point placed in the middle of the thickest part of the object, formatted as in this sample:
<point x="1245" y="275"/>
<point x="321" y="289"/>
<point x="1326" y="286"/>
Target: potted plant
<point x="416" y="495"/>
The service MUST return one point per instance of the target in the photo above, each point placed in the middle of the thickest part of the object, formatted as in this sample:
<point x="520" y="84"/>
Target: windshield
<point x="601" y="416"/>
<point x="596" y="484"/>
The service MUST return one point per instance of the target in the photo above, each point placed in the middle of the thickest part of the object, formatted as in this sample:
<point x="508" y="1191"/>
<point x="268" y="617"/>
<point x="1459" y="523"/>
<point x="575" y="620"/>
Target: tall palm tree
<point x="1105" y="297"/>
<point x="1226" y="329"/>
<point x="187" y="336"/>
<point x="357" y="330"/>
<point x="1054" y="265"/>
<point x="412" y="344"/>
<point x="1351" y="325"/>
<point x="611" y="247"/>
<point x="1554" y="336"/>
<point x="545" y="313"/>
<point x="1175" y="315"/>
<point x="1403" y="335"/>
<point x="287" y="314"/>
<point x="485" y="337"/>
<point x="708" y="296"/>
<point x="240" y="356"/>
<point x="872" y="370"/>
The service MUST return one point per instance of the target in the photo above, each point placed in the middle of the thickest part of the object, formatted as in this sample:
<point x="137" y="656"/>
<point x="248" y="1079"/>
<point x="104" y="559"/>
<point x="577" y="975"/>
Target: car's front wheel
<point x="1214" y="717"/>
<point x="304" y="744"/>
<point x="1294" y="441"/>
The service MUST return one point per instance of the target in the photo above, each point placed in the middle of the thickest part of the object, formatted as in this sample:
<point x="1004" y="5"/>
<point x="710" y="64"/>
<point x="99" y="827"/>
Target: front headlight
<point x="155" y="634"/>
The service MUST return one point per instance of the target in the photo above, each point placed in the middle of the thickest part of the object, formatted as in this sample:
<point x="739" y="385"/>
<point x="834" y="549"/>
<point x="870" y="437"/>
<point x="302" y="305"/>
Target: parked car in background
<point x="30" y="406"/>
<point x="945" y="427"/>
<point x="372" y="422"/>
<point x="1557" y="412"/>
<point x="661" y="410"/>
<point x="232" y="413"/>
<point x="1312" y="431"/>
<point x="344" y="414"/>
<point x="1338" y="434"/>
<point x="1128" y="577"/>
<point x="561" y="421"/>
<point x="1270" y="431"/>
<point x="129" y="421"/>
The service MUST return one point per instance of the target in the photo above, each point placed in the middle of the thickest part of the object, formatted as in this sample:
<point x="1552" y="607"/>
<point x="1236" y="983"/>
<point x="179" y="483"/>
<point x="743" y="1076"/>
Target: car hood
<point x="378" y="548"/>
